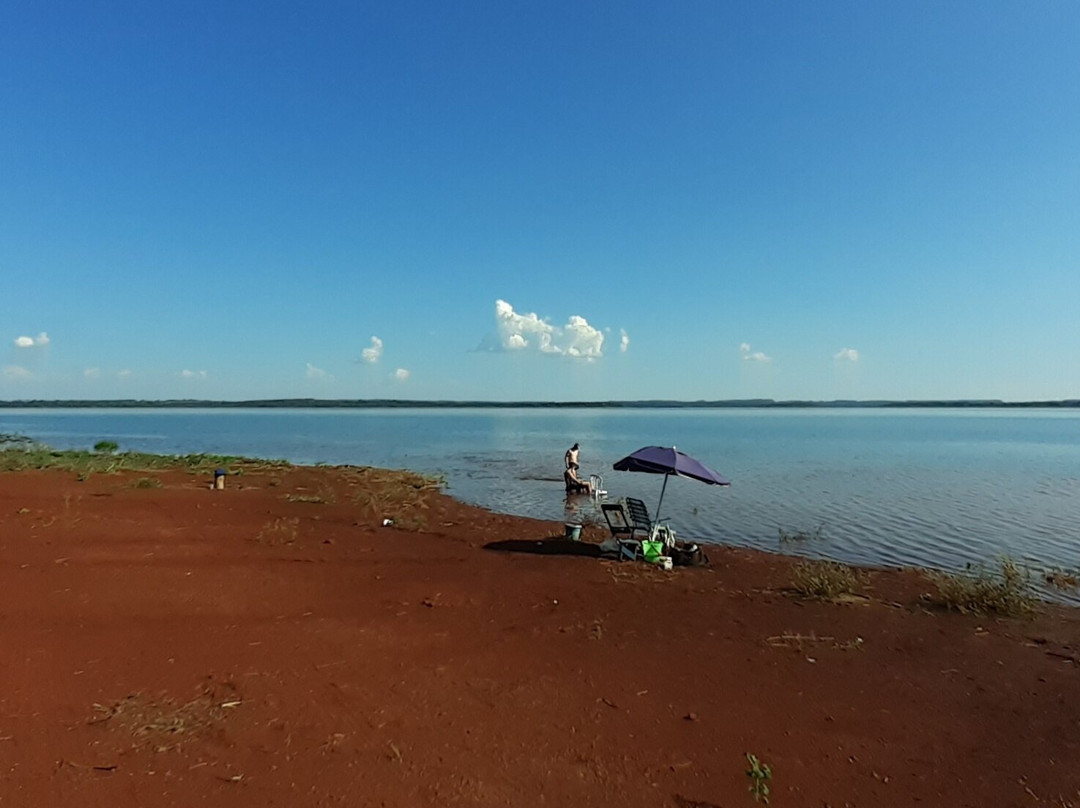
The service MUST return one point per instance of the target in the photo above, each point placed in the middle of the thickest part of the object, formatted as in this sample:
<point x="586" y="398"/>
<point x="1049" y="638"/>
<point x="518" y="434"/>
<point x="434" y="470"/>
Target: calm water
<point x="936" y="488"/>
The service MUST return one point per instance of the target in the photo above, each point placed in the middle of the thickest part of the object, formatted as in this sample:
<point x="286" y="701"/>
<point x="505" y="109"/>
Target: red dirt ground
<point x="180" y="646"/>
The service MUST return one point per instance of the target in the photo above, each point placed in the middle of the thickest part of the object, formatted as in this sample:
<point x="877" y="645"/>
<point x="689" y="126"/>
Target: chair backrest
<point x="639" y="514"/>
<point x="617" y="518"/>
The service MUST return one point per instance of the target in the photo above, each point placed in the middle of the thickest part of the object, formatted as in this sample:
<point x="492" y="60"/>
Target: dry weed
<point x="278" y="532"/>
<point x="825" y="580"/>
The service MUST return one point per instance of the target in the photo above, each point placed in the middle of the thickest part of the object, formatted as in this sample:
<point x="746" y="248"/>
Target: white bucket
<point x="573" y="532"/>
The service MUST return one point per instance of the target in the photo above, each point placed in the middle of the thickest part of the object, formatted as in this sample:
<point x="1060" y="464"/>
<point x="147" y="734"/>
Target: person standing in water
<point x="571" y="458"/>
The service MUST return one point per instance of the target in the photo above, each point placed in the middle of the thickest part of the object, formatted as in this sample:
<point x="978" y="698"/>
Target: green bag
<point x="652" y="550"/>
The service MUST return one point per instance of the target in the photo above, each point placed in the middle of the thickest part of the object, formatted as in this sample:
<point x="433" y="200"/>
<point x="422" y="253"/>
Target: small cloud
<point x="401" y="374"/>
<point x="752" y="356"/>
<point x="15" y="373"/>
<point x="123" y="374"/>
<point x="193" y="374"/>
<point x="519" y="332"/>
<point x="92" y="373"/>
<point x="846" y="355"/>
<point x="317" y="373"/>
<point x="371" y="355"/>
<point x="624" y="340"/>
<point x="39" y="341"/>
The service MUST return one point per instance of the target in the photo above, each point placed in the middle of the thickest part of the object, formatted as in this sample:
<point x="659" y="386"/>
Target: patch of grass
<point x="161" y="723"/>
<point x="399" y="495"/>
<point x="825" y="580"/>
<point x="790" y="537"/>
<point x="106" y="446"/>
<point x="278" y="532"/>
<point x="19" y="453"/>
<point x="147" y="482"/>
<point x="1006" y="591"/>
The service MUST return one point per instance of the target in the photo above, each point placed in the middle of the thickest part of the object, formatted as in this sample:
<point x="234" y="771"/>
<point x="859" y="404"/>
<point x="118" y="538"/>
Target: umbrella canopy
<point x="668" y="460"/>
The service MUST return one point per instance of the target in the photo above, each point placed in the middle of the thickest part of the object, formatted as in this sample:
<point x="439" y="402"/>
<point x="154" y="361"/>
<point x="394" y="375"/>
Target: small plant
<point x="788" y="537"/>
<point x="106" y="446"/>
<point x="825" y="579"/>
<point x="148" y="482"/>
<point x="759" y="774"/>
<point x="1006" y="592"/>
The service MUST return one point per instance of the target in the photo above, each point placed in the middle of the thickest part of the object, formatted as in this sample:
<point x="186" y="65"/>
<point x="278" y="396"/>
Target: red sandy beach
<point x="273" y="645"/>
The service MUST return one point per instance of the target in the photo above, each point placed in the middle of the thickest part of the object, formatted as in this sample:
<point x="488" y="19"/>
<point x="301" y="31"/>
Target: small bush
<point x="1006" y="592"/>
<point x="148" y="482"/>
<point x="825" y="579"/>
<point x="106" y="446"/>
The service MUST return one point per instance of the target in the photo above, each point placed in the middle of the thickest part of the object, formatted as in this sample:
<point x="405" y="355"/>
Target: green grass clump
<point x="1006" y="591"/>
<point x="825" y="580"/>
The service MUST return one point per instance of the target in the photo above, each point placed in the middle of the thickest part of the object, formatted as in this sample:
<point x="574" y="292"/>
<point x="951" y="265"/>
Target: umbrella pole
<point x="661" y="502"/>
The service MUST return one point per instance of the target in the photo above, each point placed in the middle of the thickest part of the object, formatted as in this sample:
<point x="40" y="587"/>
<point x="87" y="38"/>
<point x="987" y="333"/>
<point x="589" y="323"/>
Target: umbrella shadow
<point x="554" y="545"/>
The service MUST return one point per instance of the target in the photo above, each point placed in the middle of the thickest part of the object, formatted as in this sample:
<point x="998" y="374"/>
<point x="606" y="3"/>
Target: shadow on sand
<point x="556" y="545"/>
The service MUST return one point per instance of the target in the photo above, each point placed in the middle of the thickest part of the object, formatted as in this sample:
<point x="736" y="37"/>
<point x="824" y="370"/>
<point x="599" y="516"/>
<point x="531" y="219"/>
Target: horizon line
<point x="353" y="403"/>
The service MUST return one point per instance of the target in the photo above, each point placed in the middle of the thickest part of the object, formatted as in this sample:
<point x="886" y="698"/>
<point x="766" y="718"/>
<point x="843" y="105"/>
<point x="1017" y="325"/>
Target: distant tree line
<point x="393" y="403"/>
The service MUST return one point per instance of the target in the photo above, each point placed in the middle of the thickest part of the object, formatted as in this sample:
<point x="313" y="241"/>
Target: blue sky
<point x="554" y="201"/>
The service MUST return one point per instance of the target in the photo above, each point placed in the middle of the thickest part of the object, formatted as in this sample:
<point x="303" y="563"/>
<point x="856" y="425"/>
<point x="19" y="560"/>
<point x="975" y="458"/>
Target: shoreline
<point x="420" y="665"/>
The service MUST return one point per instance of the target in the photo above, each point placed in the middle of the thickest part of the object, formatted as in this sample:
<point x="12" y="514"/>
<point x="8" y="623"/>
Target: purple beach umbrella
<point x="668" y="460"/>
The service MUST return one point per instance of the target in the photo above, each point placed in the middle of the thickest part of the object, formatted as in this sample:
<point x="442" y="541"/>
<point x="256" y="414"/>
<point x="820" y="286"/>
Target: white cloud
<point x="624" y="340"/>
<point x="40" y="340"/>
<point x="846" y="355"/>
<point x="752" y="356"/>
<point x="193" y="374"/>
<point x="14" y="373"/>
<point x="372" y="354"/>
<point x="123" y="374"/>
<point x="518" y="332"/>
<point x="318" y="373"/>
<point x="401" y="374"/>
<point x="92" y="373"/>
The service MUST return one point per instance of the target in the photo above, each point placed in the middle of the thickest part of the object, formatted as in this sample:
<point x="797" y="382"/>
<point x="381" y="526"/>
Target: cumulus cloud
<point x="846" y="355"/>
<point x="752" y="356"/>
<point x="123" y="374"/>
<point x="193" y="374"/>
<point x="401" y="374"/>
<point x="371" y="355"/>
<point x="528" y="331"/>
<point x="40" y="340"/>
<point x="92" y="373"/>
<point x="14" y="373"/>
<point x="624" y="340"/>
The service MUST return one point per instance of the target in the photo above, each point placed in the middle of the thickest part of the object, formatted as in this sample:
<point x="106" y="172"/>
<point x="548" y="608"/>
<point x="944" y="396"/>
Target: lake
<point x="938" y="488"/>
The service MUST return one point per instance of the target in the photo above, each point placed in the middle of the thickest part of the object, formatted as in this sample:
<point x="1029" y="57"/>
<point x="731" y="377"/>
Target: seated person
<point x="574" y="484"/>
